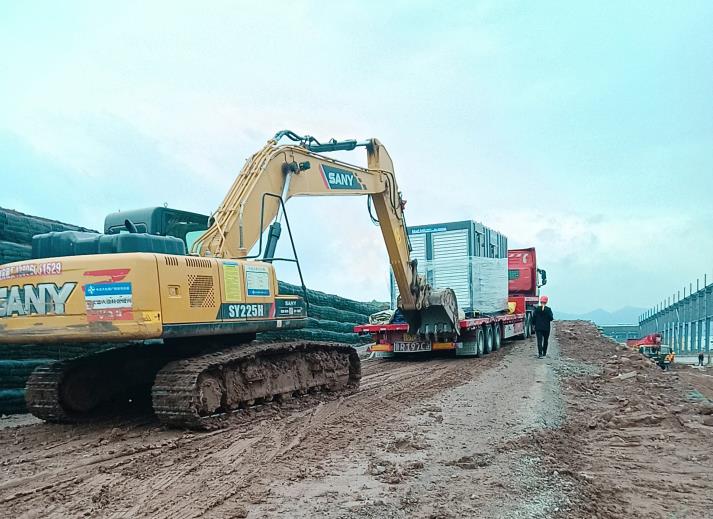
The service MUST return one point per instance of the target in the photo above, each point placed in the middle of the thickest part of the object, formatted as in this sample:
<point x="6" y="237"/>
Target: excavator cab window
<point x="191" y="238"/>
<point x="181" y="224"/>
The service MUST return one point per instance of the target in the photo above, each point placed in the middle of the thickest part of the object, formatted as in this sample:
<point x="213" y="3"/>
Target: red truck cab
<point x="524" y="278"/>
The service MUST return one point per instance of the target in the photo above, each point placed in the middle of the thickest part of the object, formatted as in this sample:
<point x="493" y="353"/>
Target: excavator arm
<point x="279" y="172"/>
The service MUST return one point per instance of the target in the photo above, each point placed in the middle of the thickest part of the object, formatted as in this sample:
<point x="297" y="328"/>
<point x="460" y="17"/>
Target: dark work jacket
<point x="541" y="318"/>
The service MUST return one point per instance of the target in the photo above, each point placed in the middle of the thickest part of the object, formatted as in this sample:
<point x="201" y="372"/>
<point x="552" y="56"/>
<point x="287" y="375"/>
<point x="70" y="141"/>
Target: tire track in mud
<point x="433" y="446"/>
<point x="138" y="469"/>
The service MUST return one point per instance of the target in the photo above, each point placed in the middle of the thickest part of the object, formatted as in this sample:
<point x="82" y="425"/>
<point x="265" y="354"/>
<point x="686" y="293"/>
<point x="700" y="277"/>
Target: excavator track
<point x="70" y="391"/>
<point x="201" y="391"/>
<point x="42" y="393"/>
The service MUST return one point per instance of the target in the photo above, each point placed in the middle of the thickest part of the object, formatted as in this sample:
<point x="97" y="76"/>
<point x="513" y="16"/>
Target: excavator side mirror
<point x="543" y="277"/>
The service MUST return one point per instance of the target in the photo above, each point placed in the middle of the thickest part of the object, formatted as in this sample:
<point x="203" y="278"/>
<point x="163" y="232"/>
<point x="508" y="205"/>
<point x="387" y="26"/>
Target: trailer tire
<point x="497" y="336"/>
<point x="488" y="339"/>
<point x="479" y="343"/>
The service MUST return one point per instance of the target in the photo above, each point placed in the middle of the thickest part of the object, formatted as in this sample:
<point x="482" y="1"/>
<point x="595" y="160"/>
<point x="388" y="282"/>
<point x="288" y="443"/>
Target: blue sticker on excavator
<point x="337" y="178"/>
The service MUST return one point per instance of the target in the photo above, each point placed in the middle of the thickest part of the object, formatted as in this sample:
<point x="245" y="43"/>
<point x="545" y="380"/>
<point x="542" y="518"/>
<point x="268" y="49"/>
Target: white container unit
<point x="465" y="256"/>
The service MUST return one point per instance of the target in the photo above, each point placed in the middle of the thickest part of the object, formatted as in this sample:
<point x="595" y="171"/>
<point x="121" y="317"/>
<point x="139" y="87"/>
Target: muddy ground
<point x="591" y="431"/>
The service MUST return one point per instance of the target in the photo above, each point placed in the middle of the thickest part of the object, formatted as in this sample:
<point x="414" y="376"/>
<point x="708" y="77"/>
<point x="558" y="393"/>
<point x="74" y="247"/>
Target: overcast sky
<point x="585" y="130"/>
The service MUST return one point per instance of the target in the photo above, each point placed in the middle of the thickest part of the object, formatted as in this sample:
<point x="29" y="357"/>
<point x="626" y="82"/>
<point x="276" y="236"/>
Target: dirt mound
<point x="633" y="443"/>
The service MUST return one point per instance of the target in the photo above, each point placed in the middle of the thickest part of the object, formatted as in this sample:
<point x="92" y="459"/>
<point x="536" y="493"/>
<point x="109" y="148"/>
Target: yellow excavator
<point x="174" y="306"/>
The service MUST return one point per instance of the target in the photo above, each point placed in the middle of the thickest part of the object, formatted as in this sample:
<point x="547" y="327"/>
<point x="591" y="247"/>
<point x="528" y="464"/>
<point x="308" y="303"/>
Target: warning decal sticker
<point x="231" y="281"/>
<point x="109" y="302"/>
<point x="257" y="281"/>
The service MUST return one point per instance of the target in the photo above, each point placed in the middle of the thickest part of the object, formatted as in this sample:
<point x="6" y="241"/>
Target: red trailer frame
<point x="478" y="335"/>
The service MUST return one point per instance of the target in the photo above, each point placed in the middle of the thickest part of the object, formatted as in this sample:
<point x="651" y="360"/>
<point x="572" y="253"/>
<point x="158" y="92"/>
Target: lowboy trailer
<point x="478" y="335"/>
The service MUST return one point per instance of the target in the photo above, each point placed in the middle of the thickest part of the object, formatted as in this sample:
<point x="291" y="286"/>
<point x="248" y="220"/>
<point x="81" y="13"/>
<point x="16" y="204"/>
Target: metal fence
<point x="620" y="332"/>
<point x="683" y="320"/>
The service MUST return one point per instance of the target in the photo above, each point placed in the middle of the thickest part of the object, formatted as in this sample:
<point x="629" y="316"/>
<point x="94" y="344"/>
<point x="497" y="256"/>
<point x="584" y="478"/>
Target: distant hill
<point x="626" y="315"/>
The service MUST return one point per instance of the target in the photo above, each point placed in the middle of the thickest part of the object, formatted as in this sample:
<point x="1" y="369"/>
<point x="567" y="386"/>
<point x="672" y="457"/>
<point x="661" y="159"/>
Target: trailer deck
<point x="478" y="335"/>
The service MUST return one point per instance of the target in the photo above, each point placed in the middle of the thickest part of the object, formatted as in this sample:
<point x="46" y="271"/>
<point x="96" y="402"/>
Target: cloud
<point x="609" y="260"/>
<point x="567" y="130"/>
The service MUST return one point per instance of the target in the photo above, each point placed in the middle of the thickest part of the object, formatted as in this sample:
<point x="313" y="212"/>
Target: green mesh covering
<point x="316" y="297"/>
<point x="331" y="326"/>
<point x="19" y="228"/>
<point x="311" y="335"/>
<point x="14" y="373"/>
<point x="331" y="317"/>
<point x="11" y="252"/>
<point x="12" y="401"/>
<point x="327" y="313"/>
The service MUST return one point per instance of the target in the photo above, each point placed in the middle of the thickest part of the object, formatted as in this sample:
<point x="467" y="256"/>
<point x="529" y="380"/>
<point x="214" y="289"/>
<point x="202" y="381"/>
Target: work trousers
<point x="543" y="336"/>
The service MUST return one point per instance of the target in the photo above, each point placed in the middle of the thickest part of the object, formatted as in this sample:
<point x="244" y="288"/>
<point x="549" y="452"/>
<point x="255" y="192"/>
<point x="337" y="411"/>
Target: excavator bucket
<point x="439" y="315"/>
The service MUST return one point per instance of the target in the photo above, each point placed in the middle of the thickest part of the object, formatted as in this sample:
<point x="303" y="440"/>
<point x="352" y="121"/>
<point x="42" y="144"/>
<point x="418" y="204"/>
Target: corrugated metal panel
<point x="450" y="264"/>
<point x="444" y="252"/>
<point x="488" y="243"/>
<point x="450" y="245"/>
<point x="418" y="251"/>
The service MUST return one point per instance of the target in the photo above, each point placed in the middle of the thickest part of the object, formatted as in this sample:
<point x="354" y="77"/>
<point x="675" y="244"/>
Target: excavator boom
<point x="279" y="172"/>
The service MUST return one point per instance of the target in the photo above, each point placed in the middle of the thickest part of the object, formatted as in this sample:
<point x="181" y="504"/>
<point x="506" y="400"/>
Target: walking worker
<point x="700" y="358"/>
<point x="541" y="319"/>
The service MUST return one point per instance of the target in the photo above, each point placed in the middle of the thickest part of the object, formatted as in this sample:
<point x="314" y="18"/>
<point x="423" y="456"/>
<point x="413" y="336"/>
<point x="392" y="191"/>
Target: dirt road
<point x="508" y="435"/>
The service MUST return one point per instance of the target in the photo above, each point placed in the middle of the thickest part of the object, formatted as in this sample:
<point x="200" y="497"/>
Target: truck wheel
<point x="480" y="343"/>
<point x="497" y="337"/>
<point x="488" y="339"/>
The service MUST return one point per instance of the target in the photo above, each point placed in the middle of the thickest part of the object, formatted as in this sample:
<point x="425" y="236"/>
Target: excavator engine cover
<point x="75" y="243"/>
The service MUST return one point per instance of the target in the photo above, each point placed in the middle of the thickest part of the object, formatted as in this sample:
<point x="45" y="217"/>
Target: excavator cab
<point x="157" y="229"/>
<point x="159" y="221"/>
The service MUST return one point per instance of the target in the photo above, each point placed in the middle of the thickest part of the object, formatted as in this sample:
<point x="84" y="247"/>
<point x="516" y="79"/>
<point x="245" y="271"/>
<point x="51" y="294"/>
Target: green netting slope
<point x="331" y="317"/>
<point x="19" y="228"/>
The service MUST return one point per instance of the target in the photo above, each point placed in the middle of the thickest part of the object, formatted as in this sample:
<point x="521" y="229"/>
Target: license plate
<point x="403" y="347"/>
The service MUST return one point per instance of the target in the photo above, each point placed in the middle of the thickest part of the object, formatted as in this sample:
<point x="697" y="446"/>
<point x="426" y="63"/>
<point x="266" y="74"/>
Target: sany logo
<point x="28" y="299"/>
<point x="336" y="178"/>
